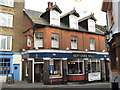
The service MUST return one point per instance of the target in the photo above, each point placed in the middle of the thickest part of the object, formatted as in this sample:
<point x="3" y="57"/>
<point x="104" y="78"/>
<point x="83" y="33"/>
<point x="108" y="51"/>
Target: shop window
<point x="75" y="66"/>
<point x="73" y="42"/>
<point x="6" y="20"/>
<point x="56" y="68"/>
<point x="5" y="43"/>
<point x="92" y="44"/>
<point x="7" y="2"/>
<point x="4" y="66"/>
<point x="55" y="41"/>
<point x="93" y="66"/>
<point x="38" y="40"/>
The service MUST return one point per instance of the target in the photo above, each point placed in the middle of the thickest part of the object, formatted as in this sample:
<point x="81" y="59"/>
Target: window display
<point x="75" y="66"/>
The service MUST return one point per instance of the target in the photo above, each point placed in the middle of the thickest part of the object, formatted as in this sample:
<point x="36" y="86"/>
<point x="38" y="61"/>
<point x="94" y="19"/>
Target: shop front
<point x="60" y="67"/>
<point x="10" y="63"/>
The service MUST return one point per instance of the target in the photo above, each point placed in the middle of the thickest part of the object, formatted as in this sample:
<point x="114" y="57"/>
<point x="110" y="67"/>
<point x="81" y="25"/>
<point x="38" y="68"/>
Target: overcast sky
<point x="84" y="7"/>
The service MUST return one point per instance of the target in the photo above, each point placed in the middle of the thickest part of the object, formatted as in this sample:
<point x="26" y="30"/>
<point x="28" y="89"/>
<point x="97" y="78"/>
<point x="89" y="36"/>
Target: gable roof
<point x="87" y="17"/>
<point x="71" y="12"/>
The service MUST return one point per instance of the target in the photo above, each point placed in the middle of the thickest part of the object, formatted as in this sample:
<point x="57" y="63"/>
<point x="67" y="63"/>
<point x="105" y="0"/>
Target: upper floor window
<point x="7" y="2"/>
<point x="55" y="41"/>
<point x="73" y="42"/>
<point x="38" y="40"/>
<point x="5" y="43"/>
<point x="6" y="20"/>
<point x="54" y="18"/>
<point x="92" y="44"/>
<point x="91" y="25"/>
<point x="73" y="22"/>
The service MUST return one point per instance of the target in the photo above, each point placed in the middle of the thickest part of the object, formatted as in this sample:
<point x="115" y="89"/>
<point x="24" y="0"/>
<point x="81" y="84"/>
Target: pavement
<point x="26" y="85"/>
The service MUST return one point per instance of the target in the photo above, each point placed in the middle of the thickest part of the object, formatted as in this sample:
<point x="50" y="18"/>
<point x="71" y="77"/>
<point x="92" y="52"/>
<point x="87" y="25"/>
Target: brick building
<point x="62" y="48"/>
<point x="113" y="36"/>
<point x="11" y="38"/>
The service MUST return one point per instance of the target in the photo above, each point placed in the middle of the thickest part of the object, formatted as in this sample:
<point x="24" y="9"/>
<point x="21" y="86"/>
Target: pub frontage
<point x="61" y="66"/>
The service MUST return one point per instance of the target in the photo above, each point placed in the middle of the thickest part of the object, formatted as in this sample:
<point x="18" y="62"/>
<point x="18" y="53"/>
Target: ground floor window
<point x="56" y="68"/>
<point x="4" y="66"/>
<point x="93" y="65"/>
<point x="75" y="66"/>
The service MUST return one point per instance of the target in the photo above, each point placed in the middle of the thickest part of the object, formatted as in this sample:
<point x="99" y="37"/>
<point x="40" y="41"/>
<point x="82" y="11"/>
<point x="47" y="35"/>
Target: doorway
<point x="38" y="72"/>
<point x="16" y="71"/>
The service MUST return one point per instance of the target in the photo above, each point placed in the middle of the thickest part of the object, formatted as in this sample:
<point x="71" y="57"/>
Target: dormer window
<point x="54" y="18"/>
<point x="91" y="25"/>
<point x="73" y="22"/>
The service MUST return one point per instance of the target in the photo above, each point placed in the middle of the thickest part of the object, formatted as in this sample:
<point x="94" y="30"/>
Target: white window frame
<point x="73" y="44"/>
<point x="6" y="43"/>
<point x="73" y="21"/>
<point x="92" y="44"/>
<point x="38" y="42"/>
<point x="54" y="18"/>
<point x="55" y="41"/>
<point x="9" y="3"/>
<point x="78" y="61"/>
<point x="6" y="20"/>
<point x="91" y="25"/>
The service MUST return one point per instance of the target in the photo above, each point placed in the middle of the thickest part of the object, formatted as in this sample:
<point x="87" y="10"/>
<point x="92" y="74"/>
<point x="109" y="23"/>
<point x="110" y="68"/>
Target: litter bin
<point x="10" y="78"/>
<point x="115" y="85"/>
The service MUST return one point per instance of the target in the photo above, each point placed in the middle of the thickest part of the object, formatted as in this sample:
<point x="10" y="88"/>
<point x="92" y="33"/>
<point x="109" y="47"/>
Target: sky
<point x="84" y="7"/>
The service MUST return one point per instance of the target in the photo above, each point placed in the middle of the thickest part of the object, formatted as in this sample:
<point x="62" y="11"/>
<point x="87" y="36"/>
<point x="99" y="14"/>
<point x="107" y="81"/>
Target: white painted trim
<point x="33" y="72"/>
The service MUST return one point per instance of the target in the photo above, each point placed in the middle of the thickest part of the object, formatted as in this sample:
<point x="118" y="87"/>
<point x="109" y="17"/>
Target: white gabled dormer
<point x="91" y="25"/>
<point x="54" y="18"/>
<point x="73" y="21"/>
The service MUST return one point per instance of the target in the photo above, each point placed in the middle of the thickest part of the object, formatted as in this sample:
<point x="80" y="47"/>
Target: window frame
<point x="6" y="42"/>
<point x="7" y="3"/>
<point x="6" y="17"/>
<point x="77" y="61"/>
<point x="92" y="44"/>
<point x="91" y="24"/>
<point x="54" y="18"/>
<point x="39" y="39"/>
<point x="54" y="41"/>
<point x="73" y="23"/>
<point x="5" y="67"/>
<point x="72" y="41"/>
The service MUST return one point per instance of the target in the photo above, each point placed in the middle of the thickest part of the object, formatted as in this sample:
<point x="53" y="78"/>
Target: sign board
<point x="94" y="76"/>
<point x="10" y="78"/>
<point x="51" y="62"/>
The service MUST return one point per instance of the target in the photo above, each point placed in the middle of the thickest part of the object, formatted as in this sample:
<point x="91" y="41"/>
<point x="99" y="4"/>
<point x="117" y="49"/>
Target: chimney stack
<point x="50" y="4"/>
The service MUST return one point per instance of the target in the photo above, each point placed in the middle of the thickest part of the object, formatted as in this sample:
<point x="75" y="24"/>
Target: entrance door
<point x="38" y="75"/>
<point x="16" y="71"/>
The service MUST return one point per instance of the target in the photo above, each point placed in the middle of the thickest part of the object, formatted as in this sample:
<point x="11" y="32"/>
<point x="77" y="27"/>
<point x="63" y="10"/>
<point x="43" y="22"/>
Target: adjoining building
<point x="112" y="7"/>
<point x="11" y="38"/>
<point x="61" y="49"/>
